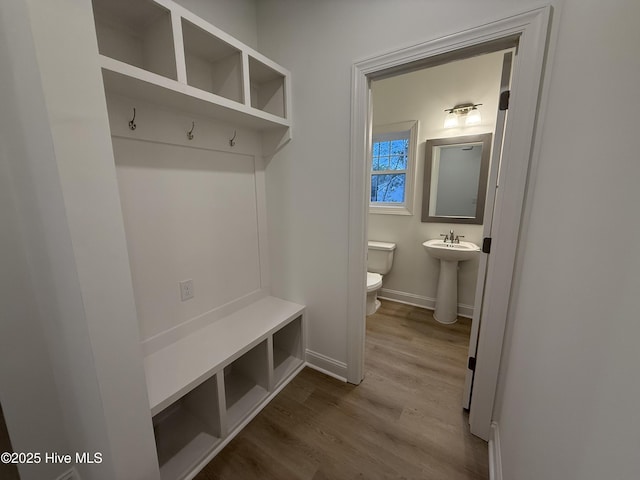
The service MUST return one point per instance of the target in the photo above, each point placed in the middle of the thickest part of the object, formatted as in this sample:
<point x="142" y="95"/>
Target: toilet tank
<point x="380" y="257"/>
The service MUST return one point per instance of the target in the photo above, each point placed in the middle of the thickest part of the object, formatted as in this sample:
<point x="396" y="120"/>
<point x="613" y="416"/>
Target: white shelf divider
<point x="178" y="46"/>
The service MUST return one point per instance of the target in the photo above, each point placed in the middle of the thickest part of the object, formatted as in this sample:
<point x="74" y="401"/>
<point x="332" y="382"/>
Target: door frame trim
<point x="531" y="29"/>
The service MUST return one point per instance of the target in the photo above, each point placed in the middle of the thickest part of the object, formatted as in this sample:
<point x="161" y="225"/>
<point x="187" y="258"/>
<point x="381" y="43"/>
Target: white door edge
<point x="492" y="185"/>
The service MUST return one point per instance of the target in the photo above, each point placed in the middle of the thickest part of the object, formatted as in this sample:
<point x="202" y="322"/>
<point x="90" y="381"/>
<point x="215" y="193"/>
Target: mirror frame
<point x="485" y="139"/>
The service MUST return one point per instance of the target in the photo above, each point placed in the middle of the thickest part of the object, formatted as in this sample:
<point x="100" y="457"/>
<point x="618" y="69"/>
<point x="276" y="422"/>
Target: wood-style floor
<point x="404" y="421"/>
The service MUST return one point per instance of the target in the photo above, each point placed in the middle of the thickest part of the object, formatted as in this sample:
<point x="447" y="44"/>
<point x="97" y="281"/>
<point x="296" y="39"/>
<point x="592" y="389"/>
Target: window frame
<point x="406" y="207"/>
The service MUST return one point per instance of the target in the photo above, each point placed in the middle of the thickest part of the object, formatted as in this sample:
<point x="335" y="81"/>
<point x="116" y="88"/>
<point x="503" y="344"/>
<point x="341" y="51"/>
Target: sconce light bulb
<point x="451" y="120"/>
<point x="473" y="117"/>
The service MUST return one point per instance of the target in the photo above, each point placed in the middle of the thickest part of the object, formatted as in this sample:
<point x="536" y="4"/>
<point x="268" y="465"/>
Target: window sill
<point x="388" y="210"/>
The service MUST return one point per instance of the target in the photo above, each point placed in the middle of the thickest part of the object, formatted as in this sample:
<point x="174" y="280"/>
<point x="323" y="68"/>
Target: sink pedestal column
<point x="447" y="297"/>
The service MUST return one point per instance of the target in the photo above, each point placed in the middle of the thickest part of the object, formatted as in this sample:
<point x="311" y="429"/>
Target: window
<point x="392" y="168"/>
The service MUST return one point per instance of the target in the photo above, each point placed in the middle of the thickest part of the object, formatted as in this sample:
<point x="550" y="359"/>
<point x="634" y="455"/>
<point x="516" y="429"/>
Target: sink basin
<point x="449" y="255"/>
<point x="456" y="252"/>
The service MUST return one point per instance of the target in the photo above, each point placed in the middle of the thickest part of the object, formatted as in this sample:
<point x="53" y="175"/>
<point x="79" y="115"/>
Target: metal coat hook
<point x="190" y="132"/>
<point x="132" y="122"/>
<point x="232" y="142"/>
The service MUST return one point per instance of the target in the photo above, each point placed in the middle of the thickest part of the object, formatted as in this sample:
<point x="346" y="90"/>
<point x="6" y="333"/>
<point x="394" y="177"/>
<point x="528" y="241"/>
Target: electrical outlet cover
<point x="186" y="290"/>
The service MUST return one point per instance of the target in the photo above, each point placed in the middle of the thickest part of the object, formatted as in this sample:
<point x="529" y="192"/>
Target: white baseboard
<point x="420" y="301"/>
<point x="327" y="365"/>
<point x="495" y="457"/>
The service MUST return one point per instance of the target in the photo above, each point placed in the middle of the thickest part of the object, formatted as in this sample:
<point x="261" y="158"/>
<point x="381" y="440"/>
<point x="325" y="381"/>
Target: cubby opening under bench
<point x="205" y="387"/>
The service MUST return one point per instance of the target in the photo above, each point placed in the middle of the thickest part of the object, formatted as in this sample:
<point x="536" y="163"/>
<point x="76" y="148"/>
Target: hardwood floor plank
<point x="404" y="421"/>
<point x="342" y="449"/>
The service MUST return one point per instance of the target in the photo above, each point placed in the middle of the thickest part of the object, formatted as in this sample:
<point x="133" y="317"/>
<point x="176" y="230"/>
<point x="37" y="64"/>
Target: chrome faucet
<point x="450" y="237"/>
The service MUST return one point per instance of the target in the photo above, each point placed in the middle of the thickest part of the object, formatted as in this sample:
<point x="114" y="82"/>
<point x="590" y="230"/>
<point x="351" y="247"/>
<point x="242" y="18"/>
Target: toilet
<point x="379" y="261"/>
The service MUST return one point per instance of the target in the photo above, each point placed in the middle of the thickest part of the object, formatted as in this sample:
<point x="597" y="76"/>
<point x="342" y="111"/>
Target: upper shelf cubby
<point x="158" y="51"/>
<point x="137" y="33"/>
<point x="267" y="88"/>
<point x="212" y="64"/>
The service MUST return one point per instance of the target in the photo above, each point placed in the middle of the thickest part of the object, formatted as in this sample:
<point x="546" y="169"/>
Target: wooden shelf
<point x="129" y="81"/>
<point x="178" y="368"/>
<point x="137" y="33"/>
<point x="246" y="382"/>
<point x="204" y="386"/>
<point x="242" y="395"/>
<point x="187" y="431"/>
<point x="212" y="64"/>
<point x="267" y="88"/>
<point x="182" y="444"/>
<point x="212" y="74"/>
<point x="284" y="363"/>
<point x="287" y="350"/>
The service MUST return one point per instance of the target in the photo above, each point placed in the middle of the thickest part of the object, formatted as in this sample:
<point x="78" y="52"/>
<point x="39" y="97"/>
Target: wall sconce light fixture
<point x="468" y="110"/>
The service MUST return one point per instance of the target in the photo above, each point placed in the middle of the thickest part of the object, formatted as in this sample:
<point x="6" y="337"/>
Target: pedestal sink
<point x="449" y="255"/>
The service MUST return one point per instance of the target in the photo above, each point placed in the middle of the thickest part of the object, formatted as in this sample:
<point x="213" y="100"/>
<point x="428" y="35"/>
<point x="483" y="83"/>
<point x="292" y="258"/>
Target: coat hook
<point x="232" y="142"/>
<point x="132" y="123"/>
<point x="190" y="132"/>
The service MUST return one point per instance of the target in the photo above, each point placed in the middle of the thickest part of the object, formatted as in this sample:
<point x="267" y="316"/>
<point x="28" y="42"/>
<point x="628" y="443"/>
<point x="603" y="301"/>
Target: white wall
<point x="28" y="392"/>
<point x="76" y="382"/>
<point x="238" y="18"/>
<point x="424" y="95"/>
<point x="188" y="215"/>
<point x="569" y="389"/>
<point x="308" y="182"/>
<point x="190" y="211"/>
<point x="64" y="182"/>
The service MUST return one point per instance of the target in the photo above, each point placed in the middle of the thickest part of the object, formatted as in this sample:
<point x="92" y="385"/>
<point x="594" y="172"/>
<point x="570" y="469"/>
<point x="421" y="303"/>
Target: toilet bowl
<point x="374" y="282"/>
<point x="379" y="261"/>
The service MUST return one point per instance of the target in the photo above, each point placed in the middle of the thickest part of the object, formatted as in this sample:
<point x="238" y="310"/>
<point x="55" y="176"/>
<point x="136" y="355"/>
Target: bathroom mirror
<point x="455" y="179"/>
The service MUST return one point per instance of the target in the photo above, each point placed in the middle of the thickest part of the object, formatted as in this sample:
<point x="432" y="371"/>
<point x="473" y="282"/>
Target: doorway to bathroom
<point x="436" y="182"/>
<point x="527" y="33"/>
